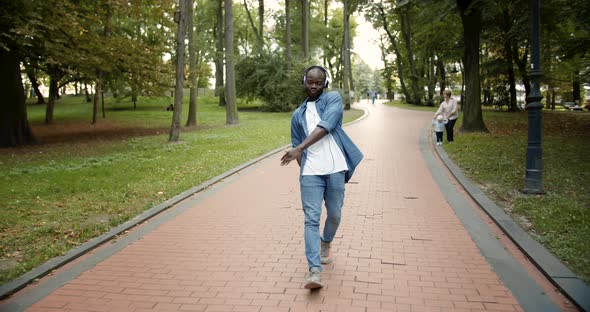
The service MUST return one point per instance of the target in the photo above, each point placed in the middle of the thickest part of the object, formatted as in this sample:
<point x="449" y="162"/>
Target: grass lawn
<point x="560" y="219"/>
<point x="83" y="179"/>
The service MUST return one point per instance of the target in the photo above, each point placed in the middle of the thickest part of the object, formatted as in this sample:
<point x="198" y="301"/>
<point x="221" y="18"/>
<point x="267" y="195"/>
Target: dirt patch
<point x="76" y="131"/>
<point x="81" y="134"/>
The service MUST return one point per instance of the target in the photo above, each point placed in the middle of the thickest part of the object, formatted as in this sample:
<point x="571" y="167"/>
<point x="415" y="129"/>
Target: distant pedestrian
<point x="439" y="127"/>
<point x="373" y="97"/>
<point x="327" y="159"/>
<point x="449" y="111"/>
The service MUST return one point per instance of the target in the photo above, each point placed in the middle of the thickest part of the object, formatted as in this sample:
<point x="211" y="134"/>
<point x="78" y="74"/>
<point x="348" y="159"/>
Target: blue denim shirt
<point x="330" y="108"/>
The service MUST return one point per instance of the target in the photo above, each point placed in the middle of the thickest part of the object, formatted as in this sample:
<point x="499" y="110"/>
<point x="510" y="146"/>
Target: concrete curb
<point x="22" y="281"/>
<point x="563" y="278"/>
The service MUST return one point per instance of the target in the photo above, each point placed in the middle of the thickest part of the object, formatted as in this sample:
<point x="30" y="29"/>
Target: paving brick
<point x="239" y="245"/>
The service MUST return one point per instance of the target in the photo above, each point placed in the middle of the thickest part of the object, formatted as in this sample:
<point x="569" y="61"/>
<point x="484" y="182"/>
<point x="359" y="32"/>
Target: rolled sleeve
<point x="296" y="137"/>
<point x="332" y="115"/>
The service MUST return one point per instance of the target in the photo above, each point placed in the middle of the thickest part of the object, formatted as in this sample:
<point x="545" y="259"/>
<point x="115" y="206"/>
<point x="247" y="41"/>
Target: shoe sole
<point x="313" y="285"/>
<point x="327" y="261"/>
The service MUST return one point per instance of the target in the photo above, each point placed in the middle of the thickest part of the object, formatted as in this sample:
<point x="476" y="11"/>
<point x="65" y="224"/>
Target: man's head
<point x="314" y="81"/>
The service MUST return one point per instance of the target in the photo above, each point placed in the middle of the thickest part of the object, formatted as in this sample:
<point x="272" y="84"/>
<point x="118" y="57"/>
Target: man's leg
<point x="312" y="194"/>
<point x="334" y="199"/>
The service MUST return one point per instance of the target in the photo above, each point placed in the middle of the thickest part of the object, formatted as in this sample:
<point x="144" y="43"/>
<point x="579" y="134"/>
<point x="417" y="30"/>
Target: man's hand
<point x="292" y="154"/>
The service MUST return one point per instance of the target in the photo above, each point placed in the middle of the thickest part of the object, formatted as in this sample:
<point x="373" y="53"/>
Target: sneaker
<point x="325" y="257"/>
<point x="314" y="280"/>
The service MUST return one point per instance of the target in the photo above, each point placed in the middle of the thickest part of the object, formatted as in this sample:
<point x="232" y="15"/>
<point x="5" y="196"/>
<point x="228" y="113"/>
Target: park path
<point x="239" y="245"/>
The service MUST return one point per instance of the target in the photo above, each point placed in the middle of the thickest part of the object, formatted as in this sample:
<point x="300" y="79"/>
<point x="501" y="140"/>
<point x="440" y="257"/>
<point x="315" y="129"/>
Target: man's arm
<point x="295" y="153"/>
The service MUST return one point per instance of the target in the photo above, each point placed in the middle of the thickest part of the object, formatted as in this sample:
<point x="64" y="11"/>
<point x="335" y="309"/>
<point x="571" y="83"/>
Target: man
<point x="327" y="158"/>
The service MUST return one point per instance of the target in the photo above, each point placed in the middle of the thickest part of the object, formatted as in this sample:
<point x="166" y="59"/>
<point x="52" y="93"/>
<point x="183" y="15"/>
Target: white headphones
<point x="326" y="74"/>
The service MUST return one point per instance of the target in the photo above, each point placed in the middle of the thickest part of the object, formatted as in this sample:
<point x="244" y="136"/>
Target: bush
<point x="267" y="77"/>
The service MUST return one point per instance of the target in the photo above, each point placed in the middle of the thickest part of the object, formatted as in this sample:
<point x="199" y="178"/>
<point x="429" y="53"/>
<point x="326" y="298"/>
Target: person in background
<point x="439" y="127"/>
<point x="448" y="109"/>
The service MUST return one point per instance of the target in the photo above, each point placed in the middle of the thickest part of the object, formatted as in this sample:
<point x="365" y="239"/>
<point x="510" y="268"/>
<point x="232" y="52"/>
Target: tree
<point x="230" y="82"/>
<point x="471" y="20"/>
<point x="406" y="31"/>
<point x="258" y="31"/>
<point x="14" y="124"/>
<point x="305" y="28"/>
<point x="287" y="31"/>
<point x="346" y="55"/>
<point x="380" y="19"/>
<point x="192" y="60"/>
<point x="219" y="55"/>
<point x="180" y="38"/>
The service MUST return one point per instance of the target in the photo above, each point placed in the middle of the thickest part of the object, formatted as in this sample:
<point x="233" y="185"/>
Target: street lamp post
<point x="533" y="182"/>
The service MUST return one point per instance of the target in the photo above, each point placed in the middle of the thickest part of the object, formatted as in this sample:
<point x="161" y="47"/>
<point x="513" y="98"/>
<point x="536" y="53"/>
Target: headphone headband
<point x="326" y="74"/>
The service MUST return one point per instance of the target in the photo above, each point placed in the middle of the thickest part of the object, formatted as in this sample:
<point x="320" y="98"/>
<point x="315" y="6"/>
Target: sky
<point x="366" y="43"/>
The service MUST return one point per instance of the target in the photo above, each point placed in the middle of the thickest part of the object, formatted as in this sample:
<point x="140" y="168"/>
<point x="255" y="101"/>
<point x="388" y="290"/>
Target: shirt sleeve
<point x="332" y="115"/>
<point x="440" y="107"/>
<point x="295" y="132"/>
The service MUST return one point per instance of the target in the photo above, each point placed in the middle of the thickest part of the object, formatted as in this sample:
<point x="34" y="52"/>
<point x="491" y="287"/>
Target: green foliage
<point x="266" y="76"/>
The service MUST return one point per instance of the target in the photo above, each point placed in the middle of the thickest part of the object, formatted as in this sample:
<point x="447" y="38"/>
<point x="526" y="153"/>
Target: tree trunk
<point x="134" y="98"/>
<point x="406" y="32"/>
<point x="432" y="80"/>
<point x="576" y="94"/>
<point x="192" y="60"/>
<point x="35" y="85"/>
<point x="398" y="56"/>
<point x="440" y="67"/>
<point x="219" y="54"/>
<point x="288" y="32"/>
<point x="53" y="90"/>
<point x="512" y="105"/>
<point x="471" y="20"/>
<point x="88" y="98"/>
<point x="257" y="33"/>
<point x="14" y="124"/>
<point x="305" y="28"/>
<point x="230" y="83"/>
<point x="346" y="56"/>
<point x="180" y="46"/>
<point x="261" y="25"/>
<point x="506" y="25"/>
<point x="324" y="59"/>
<point x="97" y="92"/>
<point x="522" y="67"/>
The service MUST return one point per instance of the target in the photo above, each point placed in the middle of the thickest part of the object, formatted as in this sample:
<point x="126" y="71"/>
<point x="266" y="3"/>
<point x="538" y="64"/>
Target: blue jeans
<point x="314" y="190"/>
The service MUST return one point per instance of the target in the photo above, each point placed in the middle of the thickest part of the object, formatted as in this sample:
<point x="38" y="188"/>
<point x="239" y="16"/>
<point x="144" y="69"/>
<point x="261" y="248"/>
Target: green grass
<point x="560" y="219"/>
<point x="58" y="196"/>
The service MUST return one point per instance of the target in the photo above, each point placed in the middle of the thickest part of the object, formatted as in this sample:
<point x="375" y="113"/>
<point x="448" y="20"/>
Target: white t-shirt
<point x="324" y="156"/>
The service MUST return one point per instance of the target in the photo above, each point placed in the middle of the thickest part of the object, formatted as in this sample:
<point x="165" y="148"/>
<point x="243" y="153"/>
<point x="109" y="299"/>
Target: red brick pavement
<point x="400" y="246"/>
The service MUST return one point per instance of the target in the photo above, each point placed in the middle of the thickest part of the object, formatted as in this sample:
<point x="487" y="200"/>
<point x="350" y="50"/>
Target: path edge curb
<point x="562" y="277"/>
<point x="22" y="281"/>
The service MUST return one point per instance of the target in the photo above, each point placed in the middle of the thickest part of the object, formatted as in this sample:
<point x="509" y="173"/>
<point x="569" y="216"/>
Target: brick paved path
<point x="239" y="246"/>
